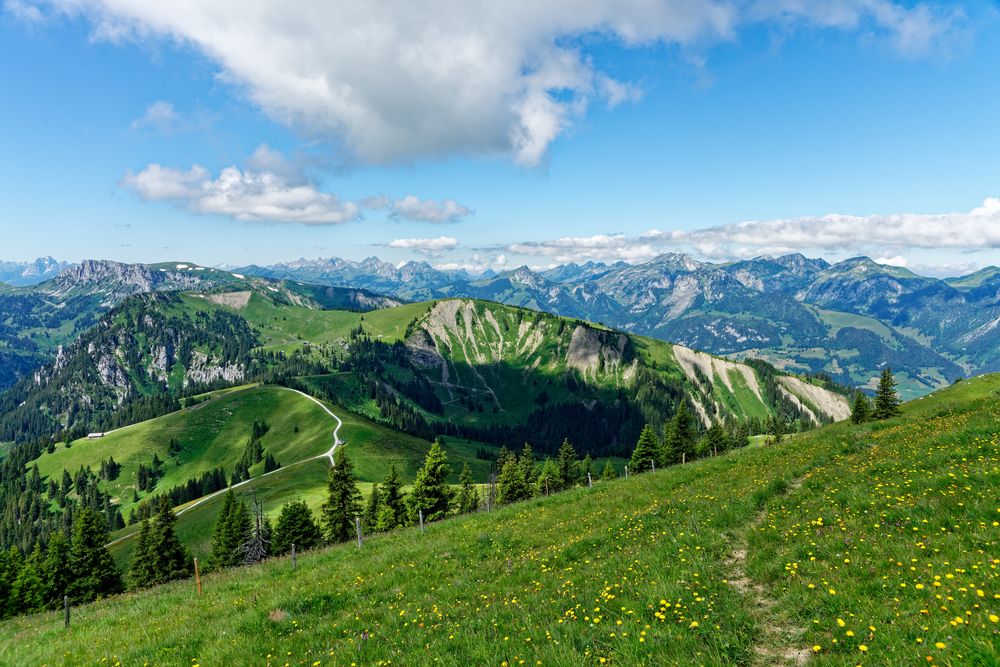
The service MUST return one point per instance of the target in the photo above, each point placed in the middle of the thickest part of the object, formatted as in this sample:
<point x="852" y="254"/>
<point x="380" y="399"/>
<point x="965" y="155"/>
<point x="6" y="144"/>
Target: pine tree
<point x="169" y="559"/>
<point x="468" y="496"/>
<point x="257" y="546"/>
<point x="370" y="518"/>
<point x="343" y="502"/>
<point x="609" y="471"/>
<point x="646" y="451"/>
<point x="715" y="439"/>
<point x="548" y="479"/>
<point x="141" y="567"/>
<point x="56" y="572"/>
<point x="529" y="472"/>
<point x="679" y="436"/>
<point x="778" y="428"/>
<point x="11" y="562"/>
<point x="231" y="529"/>
<point x="860" y="409"/>
<point x="295" y="526"/>
<point x="510" y="483"/>
<point x="29" y="585"/>
<point x="430" y="489"/>
<point x="392" y="498"/>
<point x="886" y="399"/>
<point x="94" y="572"/>
<point x="569" y="468"/>
<point x="586" y="468"/>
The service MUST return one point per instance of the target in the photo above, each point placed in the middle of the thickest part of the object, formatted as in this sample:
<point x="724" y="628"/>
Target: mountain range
<point x="847" y="319"/>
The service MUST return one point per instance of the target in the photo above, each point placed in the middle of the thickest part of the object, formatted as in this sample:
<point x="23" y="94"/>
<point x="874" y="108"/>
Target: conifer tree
<point x="29" y="585"/>
<point x="609" y="471"/>
<point x="586" y="468"/>
<point x="343" y="501"/>
<point x="11" y="562"/>
<point x="886" y="399"/>
<point x="94" y="573"/>
<point x="141" y="567"/>
<point x="392" y="498"/>
<point x="528" y="469"/>
<point x="430" y="489"/>
<point x="169" y="559"/>
<point x="231" y="529"/>
<point x="55" y="569"/>
<point x="679" y="436"/>
<point x="548" y="479"/>
<point x="569" y="468"/>
<point x="646" y="451"/>
<point x="860" y="409"/>
<point x="511" y="487"/>
<point x="295" y="526"/>
<point x="370" y="517"/>
<point x="468" y="496"/>
<point x="716" y="439"/>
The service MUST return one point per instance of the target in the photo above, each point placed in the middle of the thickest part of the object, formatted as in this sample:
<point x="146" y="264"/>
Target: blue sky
<point x="590" y="130"/>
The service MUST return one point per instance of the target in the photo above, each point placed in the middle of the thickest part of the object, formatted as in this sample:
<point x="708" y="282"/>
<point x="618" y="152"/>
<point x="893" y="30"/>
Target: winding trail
<point x="337" y="442"/>
<point x="779" y="636"/>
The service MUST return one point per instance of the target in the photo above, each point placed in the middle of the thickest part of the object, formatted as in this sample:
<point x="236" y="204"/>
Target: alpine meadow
<point x="636" y="333"/>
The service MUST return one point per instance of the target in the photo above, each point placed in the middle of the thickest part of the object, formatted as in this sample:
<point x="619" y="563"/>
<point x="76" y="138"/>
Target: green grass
<point x="211" y="434"/>
<point x="635" y="572"/>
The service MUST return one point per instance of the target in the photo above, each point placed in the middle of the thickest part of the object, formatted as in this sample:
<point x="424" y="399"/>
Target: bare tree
<point x="257" y="545"/>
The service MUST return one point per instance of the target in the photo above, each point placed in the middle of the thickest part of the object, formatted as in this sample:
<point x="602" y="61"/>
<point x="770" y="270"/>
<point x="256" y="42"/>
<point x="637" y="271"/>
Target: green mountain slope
<point x="872" y="544"/>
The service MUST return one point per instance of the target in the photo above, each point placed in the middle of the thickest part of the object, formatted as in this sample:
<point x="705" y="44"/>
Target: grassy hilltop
<point x="873" y="544"/>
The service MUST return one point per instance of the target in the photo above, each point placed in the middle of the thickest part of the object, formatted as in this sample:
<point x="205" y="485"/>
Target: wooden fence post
<point x="684" y="457"/>
<point x="626" y="472"/>
<point x="197" y="576"/>
<point x="66" y="609"/>
<point x="421" y="514"/>
<point x="590" y="481"/>
<point x="357" y="522"/>
<point x="652" y="463"/>
<point x="293" y="555"/>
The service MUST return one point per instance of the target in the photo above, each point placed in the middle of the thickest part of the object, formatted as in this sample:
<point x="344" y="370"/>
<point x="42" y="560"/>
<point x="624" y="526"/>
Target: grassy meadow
<point x="872" y="544"/>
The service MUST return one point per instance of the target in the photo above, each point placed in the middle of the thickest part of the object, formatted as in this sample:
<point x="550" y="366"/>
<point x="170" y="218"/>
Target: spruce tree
<point x="609" y="471"/>
<point x="886" y="399"/>
<point x="343" y="501"/>
<point x="679" y="436"/>
<point x="392" y="498"/>
<point x="860" y="409"/>
<point x="430" y="489"/>
<point x="295" y="526"/>
<point x="370" y="517"/>
<point x="169" y="559"/>
<point x="94" y="572"/>
<point x="511" y="487"/>
<point x="468" y="496"/>
<point x="646" y="451"/>
<point x="548" y="479"/>
<point x="141" y="567"/>
<point x="586" y="468"/>
<point x="231" y="530"/>
<point x="716" y="439"/>
<point x="29" y="585"/>
<point x="528" y="469"/>
<point x="56" y="573"/>
<point x="569" y="468"/>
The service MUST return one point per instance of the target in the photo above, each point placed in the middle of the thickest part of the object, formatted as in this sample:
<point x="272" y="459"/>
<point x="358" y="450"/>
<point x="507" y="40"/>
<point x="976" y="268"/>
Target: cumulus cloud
<point x="397" y="80"/>
<point x="977" y="229"/>
<point x="426" y="210"/>
<point x="243" y="194"/>
<point x="431" y="246"/>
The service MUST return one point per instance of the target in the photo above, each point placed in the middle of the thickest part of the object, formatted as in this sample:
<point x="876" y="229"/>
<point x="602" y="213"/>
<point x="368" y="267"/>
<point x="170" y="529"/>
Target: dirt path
<point x="325" y="455"/>
<point x="778" y="644"/>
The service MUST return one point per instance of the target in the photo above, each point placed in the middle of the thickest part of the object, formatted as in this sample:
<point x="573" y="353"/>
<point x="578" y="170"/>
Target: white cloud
<point x="425" y="245"/>
<point x="426" y="210"/>
<point x="973" y="230"/>
<point x="160" y="116"/>
<point x="23" y="11"/>
<point x="248" y="195"/>
<point x="396" y="79"/>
